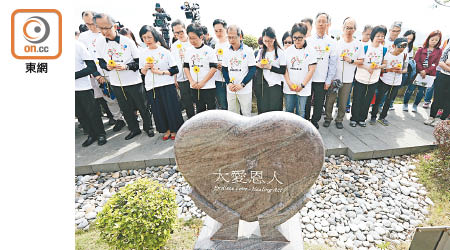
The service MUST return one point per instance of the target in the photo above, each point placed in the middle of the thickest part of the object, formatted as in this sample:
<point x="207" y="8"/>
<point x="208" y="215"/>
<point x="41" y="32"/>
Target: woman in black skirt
<point x="159" y="68"/>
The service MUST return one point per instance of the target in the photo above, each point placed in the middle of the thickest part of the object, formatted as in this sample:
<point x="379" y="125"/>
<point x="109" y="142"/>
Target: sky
<point x="254" y="16"/>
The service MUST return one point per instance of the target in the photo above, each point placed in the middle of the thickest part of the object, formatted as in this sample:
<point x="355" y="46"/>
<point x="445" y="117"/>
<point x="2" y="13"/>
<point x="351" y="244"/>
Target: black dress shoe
<point x="132" y="134"/>
<point x="339" y="125"/>
<point x="326" y="124"/>
<point x="111" y="121"/>
<point x="101" y="140"/>
<point x="315" y="124"/>
<point x="150" y="133"/>
<point x="119" y="125"/>
<point x="89" y="141"/>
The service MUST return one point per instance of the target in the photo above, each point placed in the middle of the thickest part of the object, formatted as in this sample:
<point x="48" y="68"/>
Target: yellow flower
<point x="373" y="65"/>
<point x="112" y="63"/>
<point x="264" y="61"/>
<point x="399" y="65"/>
<point x="179" y="46"/>
<point x="196" y="69"/>
<point x="150" y="59"/>
<point x="294" y="86"/>
<point x="343" y="54"/>
<point x="327" y="48"/>
<point x="220" y="52"/>
<point x="232" y="80"/>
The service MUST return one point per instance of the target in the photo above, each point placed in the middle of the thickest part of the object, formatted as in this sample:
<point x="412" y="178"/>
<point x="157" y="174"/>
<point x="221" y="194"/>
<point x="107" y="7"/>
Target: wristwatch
<point x="303" y="86"/>
<point x="353" y="61"/>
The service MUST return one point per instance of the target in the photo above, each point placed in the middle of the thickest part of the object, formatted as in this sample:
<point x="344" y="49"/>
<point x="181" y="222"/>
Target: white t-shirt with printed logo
<point x="391" y="78"/>
<point x="237" y="63"/>
<point x="325" y="48"/>
<point x="297" y="64"/>
<point x="345" y="70"/>
<point x="177" y="49"/>
<point x="93" y="41"/>
<point x="81" y="55"/>
<point x="273" y="78"/>
<point x="372" y="55"/>
<point x="163" y="60"/>
<point x="201" y="57"/>
<point x="122" y="53"/>
<point x="224" y="46"/>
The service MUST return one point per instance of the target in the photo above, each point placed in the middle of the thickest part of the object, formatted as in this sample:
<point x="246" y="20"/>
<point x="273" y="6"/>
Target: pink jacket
<point x="433" y="60"/>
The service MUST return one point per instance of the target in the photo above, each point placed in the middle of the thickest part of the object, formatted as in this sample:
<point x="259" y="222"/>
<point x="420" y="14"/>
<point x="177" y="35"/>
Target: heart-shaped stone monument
<point x="257" y="168"/>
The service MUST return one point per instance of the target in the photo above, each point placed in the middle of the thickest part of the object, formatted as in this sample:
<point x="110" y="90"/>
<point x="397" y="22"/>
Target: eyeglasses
<point x="178" y="32"/>
<point x="287" y="42"/>
<point x="297" y="38"/>
<point x="105" y="28"/>
<point x="232" y="37"/>
<point x="349" y="28"/>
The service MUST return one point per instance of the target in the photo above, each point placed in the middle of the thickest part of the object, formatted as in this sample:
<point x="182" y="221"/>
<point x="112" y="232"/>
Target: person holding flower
<point x="367" y="75"/>
<point x="178" y="50"/>
<point x="238" y="70"/>
<point x="351" y="54"/>
<point x="158" y="65"/>
<point x="301" y="63"/>
<point x="327" y="58"/>
<point x="390" y="81"/>
<point x="221" y="48"/>
<point x="199" y="67"/>
<point x="122" y="56"/>
<point x="271" y="67"/>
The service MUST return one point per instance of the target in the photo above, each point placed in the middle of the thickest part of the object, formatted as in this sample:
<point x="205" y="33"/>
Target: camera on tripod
<point x="192" y="12"/>
<point x="160" y="21"/>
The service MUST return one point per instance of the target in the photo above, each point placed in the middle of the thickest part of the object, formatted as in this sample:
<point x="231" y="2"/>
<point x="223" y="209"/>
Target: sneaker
<point x="352" y="124"/>
<point x="391" y="107"/>
<point x="373" y="121"/>
<point x="326" y="124"/>
<point x="347" y="110"/>
<point x="405" y="107"/>
<point x="111" y="121"/>
<point x="339" y="125"/>
<point x="383" y="122"/>
<point x="435" y="122"/>
<point x="429" y="121"/>
<point x="426" y="105"/>
<point x="439" y="113"/>
<point x="362" y="124"/>
<point x="414" y="108"/>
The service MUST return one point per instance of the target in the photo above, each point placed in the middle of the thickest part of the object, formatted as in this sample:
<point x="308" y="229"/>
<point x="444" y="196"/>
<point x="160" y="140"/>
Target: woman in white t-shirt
<point x="158" y="65"/>
<point x="390" y="81"/>
<point x="271" y="66"/>
<point x="367" y="75"/>
<point x="301" y="62"/>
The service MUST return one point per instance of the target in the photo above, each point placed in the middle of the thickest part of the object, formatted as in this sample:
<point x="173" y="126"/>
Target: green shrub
<point x="442" y="134"/>
<point x="251" y="41"/>
<point x="141" y="215"/>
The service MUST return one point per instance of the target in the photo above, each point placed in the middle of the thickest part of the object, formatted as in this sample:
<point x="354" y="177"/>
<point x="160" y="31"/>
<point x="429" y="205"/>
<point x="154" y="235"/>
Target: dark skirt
<point x="165" y="108"/>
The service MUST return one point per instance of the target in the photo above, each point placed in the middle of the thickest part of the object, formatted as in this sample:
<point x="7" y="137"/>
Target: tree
<point x="251" y="41"/>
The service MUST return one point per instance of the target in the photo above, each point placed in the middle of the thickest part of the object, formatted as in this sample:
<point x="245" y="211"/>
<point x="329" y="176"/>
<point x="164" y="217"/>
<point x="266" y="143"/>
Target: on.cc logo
<point x="39" y="24"/>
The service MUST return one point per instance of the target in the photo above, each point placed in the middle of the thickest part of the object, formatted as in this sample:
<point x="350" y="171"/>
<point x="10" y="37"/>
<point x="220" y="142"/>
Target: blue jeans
<point x="296" y="102"/>
<point x="419" y="95"/>
<point x="221" y="95"/>
<point x="430" y="91"/>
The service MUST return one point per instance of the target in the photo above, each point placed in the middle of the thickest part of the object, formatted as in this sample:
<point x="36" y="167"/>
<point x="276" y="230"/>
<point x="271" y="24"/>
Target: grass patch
<point x="182" y="238"/>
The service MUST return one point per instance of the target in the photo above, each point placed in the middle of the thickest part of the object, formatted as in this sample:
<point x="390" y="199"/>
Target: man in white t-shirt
<point x="221" y="48"/>
<point x="238" y="69"/>
<point x="327" y="57"/>
<point x="178" y="50"/>
<point x="86" y="110"/>
<point x="394" y="32"/>
<point x="120" y="57"/>
<point x="350" y="54"/>
<point x="93" y="39"/>
<point x="200" y="65"/>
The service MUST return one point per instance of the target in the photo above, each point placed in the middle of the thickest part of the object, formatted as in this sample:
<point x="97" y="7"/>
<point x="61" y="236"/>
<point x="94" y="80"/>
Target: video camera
<point x="192" y="12"/>
<point x="160" y="21"/>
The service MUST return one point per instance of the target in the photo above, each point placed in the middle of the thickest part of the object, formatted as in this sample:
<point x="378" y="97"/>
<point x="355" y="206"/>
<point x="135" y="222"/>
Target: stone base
<point x="249" y="236"/>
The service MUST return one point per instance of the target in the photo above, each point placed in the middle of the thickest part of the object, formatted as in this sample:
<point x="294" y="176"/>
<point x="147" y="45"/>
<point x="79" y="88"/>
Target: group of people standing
<point x="311" y="70"/>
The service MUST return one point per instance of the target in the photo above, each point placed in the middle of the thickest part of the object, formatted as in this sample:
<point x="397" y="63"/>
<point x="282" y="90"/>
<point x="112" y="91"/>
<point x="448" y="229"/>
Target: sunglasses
<point x="402" y="46"/>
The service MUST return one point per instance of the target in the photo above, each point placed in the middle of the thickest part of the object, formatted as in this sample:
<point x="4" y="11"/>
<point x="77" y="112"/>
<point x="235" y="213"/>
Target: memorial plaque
<point x="249" y="168"/>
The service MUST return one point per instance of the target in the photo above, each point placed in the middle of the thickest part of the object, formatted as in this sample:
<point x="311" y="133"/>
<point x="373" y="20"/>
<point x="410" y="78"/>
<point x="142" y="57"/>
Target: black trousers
<point x="102" y="104"/>
<point x="131" y="97"/>
<point x="362" y="96"/>
<point x="165" y="108"/>
<point x="441" y="96"/>
<point x="88" y="113"/>
<point x="384" y="89"/>
<point x="186" y="98"/>
<point x="319" y="98"/>
<point x="267" y="98"/>
<point x="205" y="99"/>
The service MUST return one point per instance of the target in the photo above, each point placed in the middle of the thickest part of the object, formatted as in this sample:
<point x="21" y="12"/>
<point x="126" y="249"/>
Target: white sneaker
<point x="405" y="107"/>
<point x="429" y="121"/>
<point x="414" y="108"/>
<point x="435" y="122"/>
